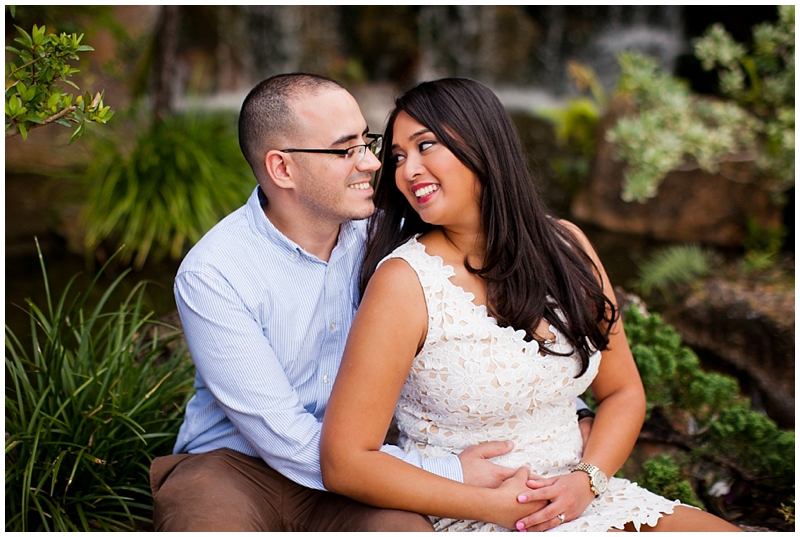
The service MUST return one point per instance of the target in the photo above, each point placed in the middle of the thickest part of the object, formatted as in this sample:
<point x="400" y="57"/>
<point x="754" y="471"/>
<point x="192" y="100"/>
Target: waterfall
<point x="517" y="50"/>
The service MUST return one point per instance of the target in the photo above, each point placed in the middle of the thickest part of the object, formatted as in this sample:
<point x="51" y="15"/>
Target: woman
<point x="483" y="319"/>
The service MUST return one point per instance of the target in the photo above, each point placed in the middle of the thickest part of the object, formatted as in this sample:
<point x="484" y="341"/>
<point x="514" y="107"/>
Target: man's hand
<point x="482" y="473"/>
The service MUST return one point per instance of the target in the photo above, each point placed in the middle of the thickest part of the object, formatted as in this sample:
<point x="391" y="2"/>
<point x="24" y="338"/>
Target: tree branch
<point x="14" y="130"/>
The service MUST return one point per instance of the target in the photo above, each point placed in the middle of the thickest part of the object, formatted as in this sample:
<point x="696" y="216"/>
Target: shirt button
<point x="333" y="326"/>
<point x="329" y="270"/>
<point x="326" y="379"/>
<point x="294" y="255"/>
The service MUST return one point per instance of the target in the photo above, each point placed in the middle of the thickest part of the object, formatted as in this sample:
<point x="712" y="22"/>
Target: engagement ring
<point x="561" y="517"/>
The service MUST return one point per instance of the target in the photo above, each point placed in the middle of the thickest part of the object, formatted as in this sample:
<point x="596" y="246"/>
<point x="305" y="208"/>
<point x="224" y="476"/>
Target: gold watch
<point x="597" y="479"/>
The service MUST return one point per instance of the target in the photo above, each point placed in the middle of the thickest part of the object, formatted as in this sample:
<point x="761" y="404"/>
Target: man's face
<point x="332" y="187"/>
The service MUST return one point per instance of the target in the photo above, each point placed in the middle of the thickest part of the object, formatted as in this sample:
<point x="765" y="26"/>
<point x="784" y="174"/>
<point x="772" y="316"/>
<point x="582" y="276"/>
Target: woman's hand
<point x="568" y="495"/>
<point x="504" y="507"/>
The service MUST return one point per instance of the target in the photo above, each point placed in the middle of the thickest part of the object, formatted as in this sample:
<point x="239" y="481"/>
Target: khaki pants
<point x="224" y="490"/>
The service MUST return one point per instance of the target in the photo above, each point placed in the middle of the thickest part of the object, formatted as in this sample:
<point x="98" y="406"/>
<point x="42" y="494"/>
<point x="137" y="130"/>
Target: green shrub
<point x="663" y="476"/>
<point x="722" y="437"/>
<point x="91" y="399"/>
<point x="181" y="177"/>
<point x="676" y="129"/>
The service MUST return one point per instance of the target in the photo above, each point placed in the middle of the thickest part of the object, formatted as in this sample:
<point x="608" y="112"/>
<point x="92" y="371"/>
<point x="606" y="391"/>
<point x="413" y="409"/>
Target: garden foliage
<point x="674" y="128"/>
<point x="92" y="396"/>
<point x="722" y="438"/>
<point x="35" y="94"/>
<point x="158" y="197"/>
<point x="673" y="267"/>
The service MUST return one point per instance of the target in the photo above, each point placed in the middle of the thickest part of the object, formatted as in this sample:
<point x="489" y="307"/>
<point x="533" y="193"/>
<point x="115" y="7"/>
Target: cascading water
<point x="515" y="49"/>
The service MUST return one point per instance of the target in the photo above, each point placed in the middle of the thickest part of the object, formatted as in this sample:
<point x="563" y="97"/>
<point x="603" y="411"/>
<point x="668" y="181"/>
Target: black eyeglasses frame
<point x="375" y="139"/>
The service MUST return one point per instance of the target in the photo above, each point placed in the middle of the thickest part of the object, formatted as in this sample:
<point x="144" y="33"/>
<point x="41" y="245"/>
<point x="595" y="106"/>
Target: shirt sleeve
<point x="241" y="371"/>
<point x="580" y="404"/>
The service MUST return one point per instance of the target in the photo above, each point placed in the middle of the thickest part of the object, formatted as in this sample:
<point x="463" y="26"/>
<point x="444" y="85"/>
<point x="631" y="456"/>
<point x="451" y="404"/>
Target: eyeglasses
<point x="353" y="154"/>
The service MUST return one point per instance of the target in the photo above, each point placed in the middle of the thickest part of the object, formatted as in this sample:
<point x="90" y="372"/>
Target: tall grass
<point x="91" y="399"/>
<point x="160" y="192"/>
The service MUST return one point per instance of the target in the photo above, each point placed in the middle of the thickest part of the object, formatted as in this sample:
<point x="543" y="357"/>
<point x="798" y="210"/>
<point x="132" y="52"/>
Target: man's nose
<point x="370" y="162"/>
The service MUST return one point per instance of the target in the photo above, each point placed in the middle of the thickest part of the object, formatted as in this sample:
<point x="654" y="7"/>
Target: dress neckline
<point x="479" y="311"/>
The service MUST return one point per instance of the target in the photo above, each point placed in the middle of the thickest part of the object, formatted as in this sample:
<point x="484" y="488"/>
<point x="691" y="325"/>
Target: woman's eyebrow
<point x="413" y="136"/>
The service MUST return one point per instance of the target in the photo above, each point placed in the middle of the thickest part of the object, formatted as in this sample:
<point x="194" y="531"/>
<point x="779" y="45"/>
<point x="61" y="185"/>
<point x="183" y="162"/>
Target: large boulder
<point x="691" y="205"/>
<point x="749" y="328"/>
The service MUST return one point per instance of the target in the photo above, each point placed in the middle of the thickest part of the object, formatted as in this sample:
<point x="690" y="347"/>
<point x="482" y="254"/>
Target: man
<point x="266" y="299"/>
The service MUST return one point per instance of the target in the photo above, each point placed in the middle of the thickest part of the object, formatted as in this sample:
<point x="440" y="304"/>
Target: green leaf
<point x="52" y="101"/>
<point x="26" y="38"/>
<point x="22" y="90"/>
<point x="77" y="134"/>
<point x="38" y="35"/>
<point x="13" y="105"/>
<point x="22" y="130"/>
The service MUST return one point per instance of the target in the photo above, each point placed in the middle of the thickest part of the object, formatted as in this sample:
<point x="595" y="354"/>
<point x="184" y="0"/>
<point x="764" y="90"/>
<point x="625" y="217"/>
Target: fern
<point x="671" y="268"/>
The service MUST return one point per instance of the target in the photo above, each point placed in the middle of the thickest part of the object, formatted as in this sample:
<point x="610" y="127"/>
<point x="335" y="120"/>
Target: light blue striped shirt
<point x="266" y="324"/>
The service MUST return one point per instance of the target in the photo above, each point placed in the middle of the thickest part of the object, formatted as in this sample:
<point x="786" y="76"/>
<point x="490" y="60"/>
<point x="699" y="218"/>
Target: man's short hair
<point x="267" y="116"/>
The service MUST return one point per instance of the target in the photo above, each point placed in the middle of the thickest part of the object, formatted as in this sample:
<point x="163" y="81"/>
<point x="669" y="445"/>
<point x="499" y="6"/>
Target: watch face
<point x="600" y="481"/>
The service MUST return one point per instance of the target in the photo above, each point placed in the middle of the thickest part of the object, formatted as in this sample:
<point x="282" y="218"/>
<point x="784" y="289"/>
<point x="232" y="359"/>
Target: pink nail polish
<point x="520" y="526"/>
<point x="522" y="498"/>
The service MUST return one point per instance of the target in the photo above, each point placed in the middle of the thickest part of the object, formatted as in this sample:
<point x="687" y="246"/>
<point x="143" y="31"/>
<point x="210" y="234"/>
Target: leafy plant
<point x="662" y="475"/>
<point x="721" y="436"/>
<point x="762" y="80"/>
<point x="575" y="126"/>
<point x="34" y="94"/>
<point x="91" y="399"/>
<point x="762" y="246"/>
<point x="674" y="129"/>
<point x="670" y="268"/>
<point x="182" y="175"/>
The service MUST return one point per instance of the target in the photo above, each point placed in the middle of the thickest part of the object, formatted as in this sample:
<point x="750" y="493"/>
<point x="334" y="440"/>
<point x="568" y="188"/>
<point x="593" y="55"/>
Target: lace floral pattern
<point x="474" y="381"/>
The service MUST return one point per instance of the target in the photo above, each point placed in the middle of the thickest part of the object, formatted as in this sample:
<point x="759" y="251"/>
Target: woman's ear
<point x="279" y="168"/>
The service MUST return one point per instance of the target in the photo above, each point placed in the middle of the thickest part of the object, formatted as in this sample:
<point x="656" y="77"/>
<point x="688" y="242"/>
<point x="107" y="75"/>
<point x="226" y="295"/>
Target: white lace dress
<point x="474" y="381"/>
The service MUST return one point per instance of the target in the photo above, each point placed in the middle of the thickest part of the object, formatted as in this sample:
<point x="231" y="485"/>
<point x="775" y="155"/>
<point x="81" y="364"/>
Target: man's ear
<point x="279" y="169"/>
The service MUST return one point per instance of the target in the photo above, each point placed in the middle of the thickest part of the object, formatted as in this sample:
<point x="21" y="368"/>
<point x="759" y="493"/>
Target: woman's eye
<point x="397" y="159"/>
<point x="426" y="145"/>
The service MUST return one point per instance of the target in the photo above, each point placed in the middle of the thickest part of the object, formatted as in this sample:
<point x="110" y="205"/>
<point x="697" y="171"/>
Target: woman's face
<point x="437" y="185"/>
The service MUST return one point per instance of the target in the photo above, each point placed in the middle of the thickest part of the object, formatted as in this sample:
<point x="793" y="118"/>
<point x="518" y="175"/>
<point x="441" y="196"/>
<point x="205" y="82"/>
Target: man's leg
<point x="317" y="510"/>
<point x="221" y="490"/>
<point x="224" y="490"/>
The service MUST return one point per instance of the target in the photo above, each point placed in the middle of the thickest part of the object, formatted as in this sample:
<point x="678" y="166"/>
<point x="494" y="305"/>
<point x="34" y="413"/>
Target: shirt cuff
<point x="580" y="404"/>
<point x="449" y="467"/>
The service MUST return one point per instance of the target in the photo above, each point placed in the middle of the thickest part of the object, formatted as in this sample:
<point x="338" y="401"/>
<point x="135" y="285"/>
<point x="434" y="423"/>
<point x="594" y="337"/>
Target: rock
<point x="750" y="329"/>
<point x="691" y="206"/>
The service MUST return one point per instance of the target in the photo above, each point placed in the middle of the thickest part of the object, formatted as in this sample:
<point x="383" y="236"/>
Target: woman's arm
<point x="619" y="392"/>
<point x="387" y="332"/>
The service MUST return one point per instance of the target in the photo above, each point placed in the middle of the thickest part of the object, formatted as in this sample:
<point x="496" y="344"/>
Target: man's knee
<point x="207" y="493"/>
<point x="397" y="521"/>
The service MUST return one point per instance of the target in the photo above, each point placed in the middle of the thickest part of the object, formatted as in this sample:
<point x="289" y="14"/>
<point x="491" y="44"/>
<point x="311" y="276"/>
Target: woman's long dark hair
<point x="529" y="256"/>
